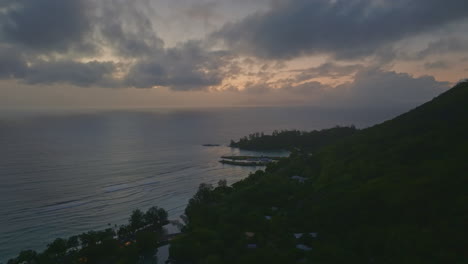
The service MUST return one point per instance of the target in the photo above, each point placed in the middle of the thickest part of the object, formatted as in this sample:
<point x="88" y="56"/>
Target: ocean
<point x="65" y="172"/>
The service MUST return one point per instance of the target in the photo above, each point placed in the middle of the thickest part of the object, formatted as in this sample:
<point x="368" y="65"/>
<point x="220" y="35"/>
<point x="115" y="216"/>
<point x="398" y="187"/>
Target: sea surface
<point x="65" y="172"/>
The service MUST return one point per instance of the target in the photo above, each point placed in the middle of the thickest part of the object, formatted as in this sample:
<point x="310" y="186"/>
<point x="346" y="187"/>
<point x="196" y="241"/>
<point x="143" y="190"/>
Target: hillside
<point x="392" y="193"/>
<point x="292" y="139"/>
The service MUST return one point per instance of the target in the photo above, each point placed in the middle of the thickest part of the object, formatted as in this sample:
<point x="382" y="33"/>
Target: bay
<point x="65" y="172"/>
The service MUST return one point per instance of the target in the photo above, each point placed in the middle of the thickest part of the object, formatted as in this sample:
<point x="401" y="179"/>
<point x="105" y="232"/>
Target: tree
<point x="124" y="233"/>
<point x="28" y="256"/>
<point x="222" y="183"/>
<point x="147" y="242"/>
<point x="156" y="217"/>
<point x="107" y="234"/>
<point x="204" y="193"/>
<point x="56" y="250"/>
<point x="73" y="242"/>
<point x="88" y="239"/>
<point x="137" y="220"/>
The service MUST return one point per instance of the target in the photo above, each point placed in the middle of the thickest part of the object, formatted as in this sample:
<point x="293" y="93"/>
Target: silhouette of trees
<point x="139" y="239"/>
<point x="137" y="220"/>
<point x="156" y="217"/>
<point x="291" y="139"/>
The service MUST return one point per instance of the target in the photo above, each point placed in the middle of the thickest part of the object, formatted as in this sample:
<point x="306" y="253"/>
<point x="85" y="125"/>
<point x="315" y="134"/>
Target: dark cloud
<point x="443" y="46"/>
<point x="126" y="28"/>
<point x="12" y="63"/>
<point x="436" y="65"/>
<point x="46" y="25"/>
<point x="82" y="27"/>
<point x="343" y="28"/>
<point x="186" y="67"/>
<point x="36" y="31"/>
<point x="72" y="72"/>
<point x="52" y="41"/>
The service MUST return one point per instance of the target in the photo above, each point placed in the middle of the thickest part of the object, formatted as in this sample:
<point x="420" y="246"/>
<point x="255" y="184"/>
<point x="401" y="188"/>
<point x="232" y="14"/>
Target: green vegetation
<point x="132" y="243"/>
<point x="393" y="193"/>
<point x="291" y="139"/>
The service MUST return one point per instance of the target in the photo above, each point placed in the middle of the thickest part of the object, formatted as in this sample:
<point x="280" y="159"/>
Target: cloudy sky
<point x="162" y="53"/>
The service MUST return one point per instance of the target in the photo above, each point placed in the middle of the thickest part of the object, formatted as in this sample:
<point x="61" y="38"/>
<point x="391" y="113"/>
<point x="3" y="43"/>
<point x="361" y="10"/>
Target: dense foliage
<point x="393" y="193"/>
<point x="291" y="139"/>
<point x="132" y="243"/>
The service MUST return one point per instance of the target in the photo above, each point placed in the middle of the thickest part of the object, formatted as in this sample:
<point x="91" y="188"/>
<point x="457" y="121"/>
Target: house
<point x="267" y="217"/>
<point x="251" y="246"/>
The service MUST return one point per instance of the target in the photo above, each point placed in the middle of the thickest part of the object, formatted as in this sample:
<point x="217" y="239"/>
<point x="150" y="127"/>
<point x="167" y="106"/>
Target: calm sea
<point x="63" y="173"/>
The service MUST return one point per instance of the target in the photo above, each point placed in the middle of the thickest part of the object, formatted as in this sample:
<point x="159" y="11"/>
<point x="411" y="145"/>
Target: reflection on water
<point x="63" y="174"/>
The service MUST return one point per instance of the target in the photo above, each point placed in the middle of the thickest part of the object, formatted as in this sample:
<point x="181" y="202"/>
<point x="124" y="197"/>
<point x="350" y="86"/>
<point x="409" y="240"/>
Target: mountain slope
<point x="392" y="193"/>
<point x="434" y="131"/>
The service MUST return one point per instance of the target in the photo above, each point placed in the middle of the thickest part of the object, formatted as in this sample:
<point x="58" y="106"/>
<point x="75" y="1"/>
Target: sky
<point x="205" y="53"/>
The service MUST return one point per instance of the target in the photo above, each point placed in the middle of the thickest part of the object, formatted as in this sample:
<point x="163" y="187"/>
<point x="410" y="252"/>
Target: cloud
<point x="81" y="27"/>
<point x="436" y="65"/>
<point x="371" y="88"/>
<point x="12" y="63"/>
<point x="186" y="67"/>
<point x="47" y="25"/>
<point x="14" y="66"/>
<point x="115" y="43"/>
<point x="44" y="40"/>
<point x="343" y="28"/>
<point x="331" y="70"/>
<point x="377" y="88"/>
<point x="203" y="11"/>
<point x="76" y="73"/>
<point x="125" y="27"/>
<point x="443" y="46"/>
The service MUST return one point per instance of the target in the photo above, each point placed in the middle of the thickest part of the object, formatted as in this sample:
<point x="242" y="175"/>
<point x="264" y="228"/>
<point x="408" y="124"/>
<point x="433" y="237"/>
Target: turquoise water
<point x="63" y="173"/>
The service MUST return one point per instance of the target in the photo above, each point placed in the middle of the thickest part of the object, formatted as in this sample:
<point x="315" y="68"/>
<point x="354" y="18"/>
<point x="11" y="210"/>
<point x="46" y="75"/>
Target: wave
<point x="63" y="205"/>
<point x="126" y="186"/>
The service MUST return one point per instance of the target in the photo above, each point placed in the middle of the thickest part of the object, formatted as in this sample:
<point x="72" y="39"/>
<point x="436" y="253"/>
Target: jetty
<point x="248" y="160"/>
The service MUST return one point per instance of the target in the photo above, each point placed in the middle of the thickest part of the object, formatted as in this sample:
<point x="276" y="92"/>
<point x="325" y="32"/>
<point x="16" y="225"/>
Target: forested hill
<point x="393" y="193"/>
<point x="433" y="133"/>
<point x="291" y="139"/>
